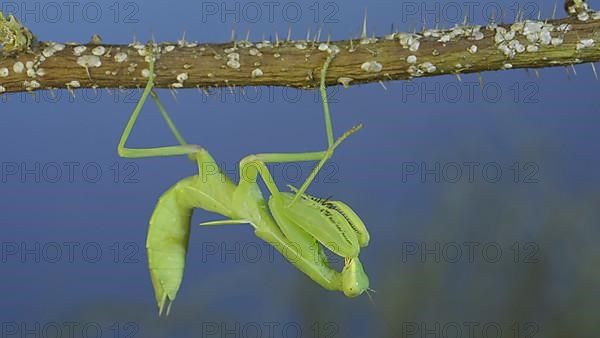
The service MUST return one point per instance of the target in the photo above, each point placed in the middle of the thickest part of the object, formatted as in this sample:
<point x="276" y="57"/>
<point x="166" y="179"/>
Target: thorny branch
<point x="28" y="65"/>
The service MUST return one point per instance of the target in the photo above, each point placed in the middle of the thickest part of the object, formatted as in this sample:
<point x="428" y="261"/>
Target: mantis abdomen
<point x="167" y="244"/>
<point x="169" y="231"/>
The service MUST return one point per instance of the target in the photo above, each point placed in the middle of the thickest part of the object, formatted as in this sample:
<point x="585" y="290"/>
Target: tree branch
<point x="399" y="56"/>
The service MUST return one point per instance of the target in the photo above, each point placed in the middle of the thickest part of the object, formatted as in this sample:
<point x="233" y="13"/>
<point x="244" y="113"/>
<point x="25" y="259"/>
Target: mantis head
<point x="333" y="224"/>
<point x="354" y="279"/>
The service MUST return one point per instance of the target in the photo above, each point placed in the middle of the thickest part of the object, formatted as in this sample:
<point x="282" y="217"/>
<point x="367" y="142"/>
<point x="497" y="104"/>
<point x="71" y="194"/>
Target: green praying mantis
<point x="296" y="224"/>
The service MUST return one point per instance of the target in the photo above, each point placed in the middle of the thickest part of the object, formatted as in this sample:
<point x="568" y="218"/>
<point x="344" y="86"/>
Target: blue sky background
<point x="540" y="210"/>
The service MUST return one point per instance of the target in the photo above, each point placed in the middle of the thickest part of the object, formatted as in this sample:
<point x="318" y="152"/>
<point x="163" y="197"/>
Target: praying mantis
<point x="296" y="224"/>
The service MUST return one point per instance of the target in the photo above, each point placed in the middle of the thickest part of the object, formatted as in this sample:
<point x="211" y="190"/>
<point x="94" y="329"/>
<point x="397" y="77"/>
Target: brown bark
<point x="298" y="63"/>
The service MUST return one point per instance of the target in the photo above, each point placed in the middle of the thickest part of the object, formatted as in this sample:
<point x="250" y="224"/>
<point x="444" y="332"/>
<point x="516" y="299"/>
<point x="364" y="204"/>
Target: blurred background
<point x="482" y="201"/>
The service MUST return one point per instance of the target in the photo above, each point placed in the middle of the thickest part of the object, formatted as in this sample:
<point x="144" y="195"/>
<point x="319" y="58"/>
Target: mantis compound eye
<point x="354" y="279"/>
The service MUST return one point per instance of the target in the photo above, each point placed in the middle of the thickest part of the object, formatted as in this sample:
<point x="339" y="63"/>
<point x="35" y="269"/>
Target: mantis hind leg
<point x="182" y="149"/>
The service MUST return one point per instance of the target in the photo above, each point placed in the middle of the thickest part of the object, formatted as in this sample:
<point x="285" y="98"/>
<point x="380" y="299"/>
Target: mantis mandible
<point x="296" y="224"/>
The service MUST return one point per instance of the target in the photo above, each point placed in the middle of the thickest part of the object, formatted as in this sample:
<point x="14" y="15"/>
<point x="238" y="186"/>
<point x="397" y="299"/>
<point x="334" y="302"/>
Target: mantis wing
<point x="306" y="244"/>
<point x="355" y="222"/>
<point x="324" y="224"/>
